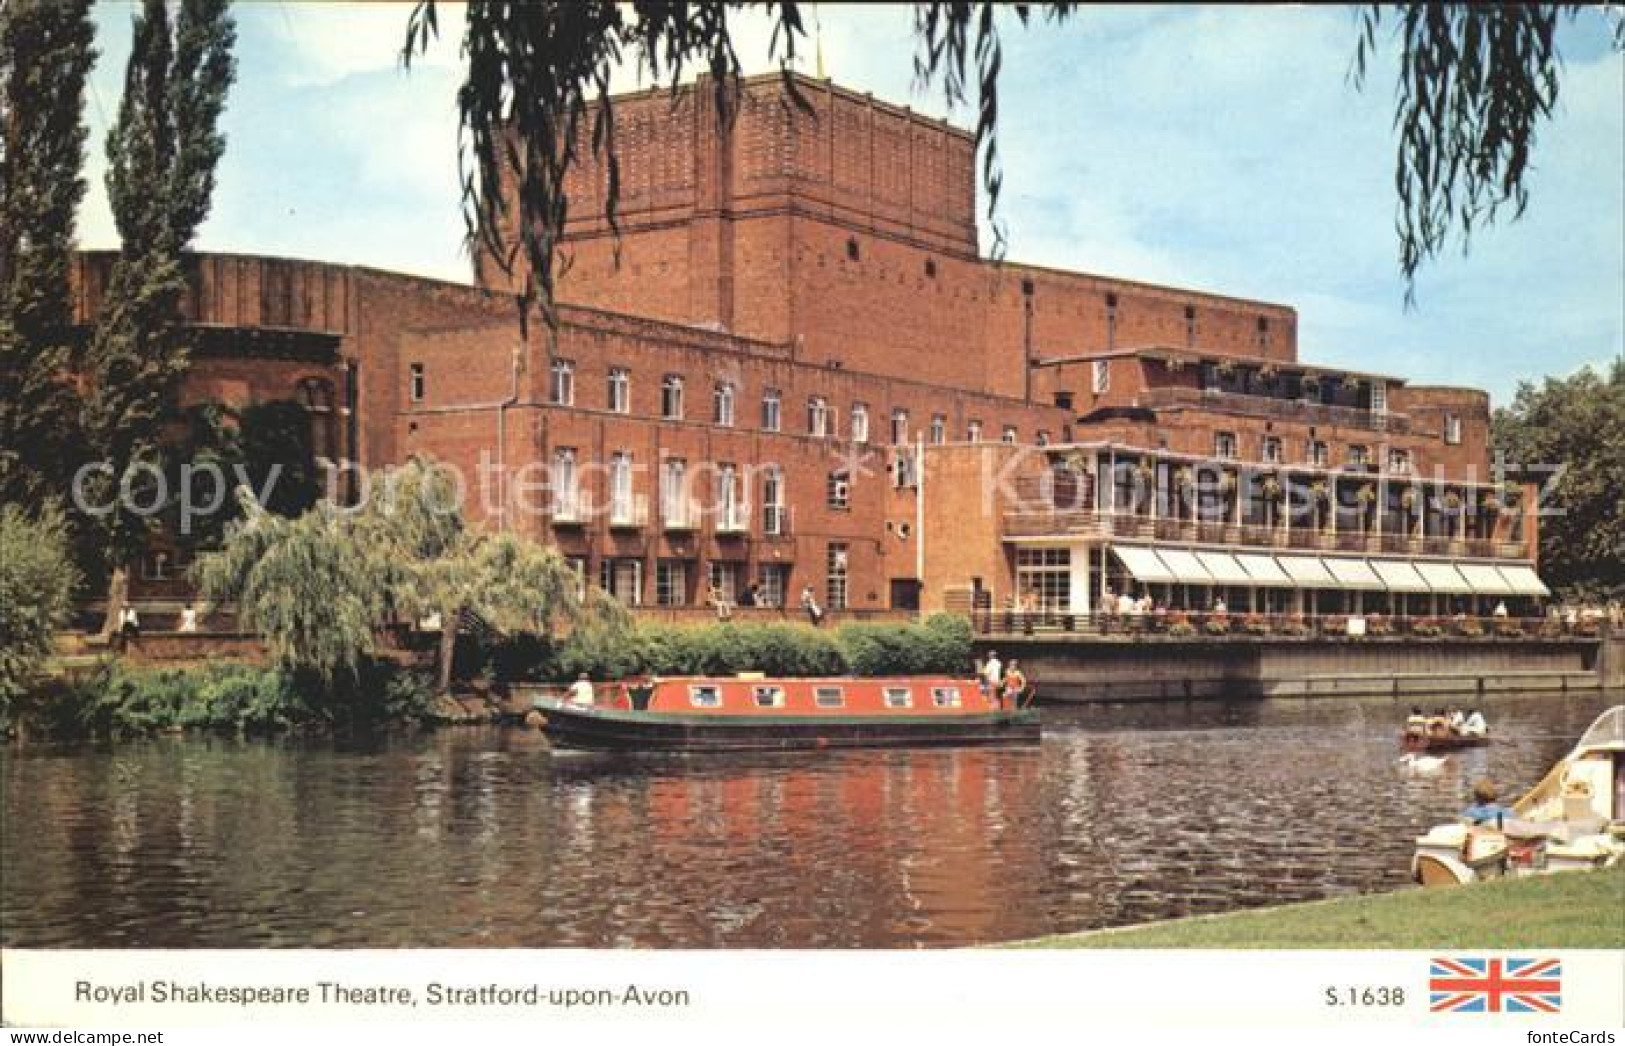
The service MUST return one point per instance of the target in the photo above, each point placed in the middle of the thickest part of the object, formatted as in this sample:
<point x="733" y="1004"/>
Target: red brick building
<point x="801" y="371"/>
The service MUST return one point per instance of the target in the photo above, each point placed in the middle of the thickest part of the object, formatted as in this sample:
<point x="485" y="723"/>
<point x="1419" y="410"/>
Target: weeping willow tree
<point x="321" y="588"/>
<point x="306" y="586"/>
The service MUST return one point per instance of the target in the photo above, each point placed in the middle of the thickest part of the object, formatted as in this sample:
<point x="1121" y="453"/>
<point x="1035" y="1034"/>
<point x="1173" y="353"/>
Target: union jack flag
<point x="1496" y="985"/>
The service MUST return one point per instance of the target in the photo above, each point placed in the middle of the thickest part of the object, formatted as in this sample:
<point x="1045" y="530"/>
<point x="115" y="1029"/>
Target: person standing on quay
<point x="992" y="675"/>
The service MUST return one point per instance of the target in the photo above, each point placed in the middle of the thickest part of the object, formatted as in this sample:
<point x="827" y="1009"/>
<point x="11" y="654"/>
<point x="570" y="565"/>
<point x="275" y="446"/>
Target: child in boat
<point x="1475" y="726"/>
<point x="1485" y="809"/>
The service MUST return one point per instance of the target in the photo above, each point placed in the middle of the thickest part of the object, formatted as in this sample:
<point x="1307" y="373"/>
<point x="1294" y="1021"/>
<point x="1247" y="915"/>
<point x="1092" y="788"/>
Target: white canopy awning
<point x="1185" y="566"/>
<point x="1308" y="572"/>
<point x="1442" y="577"/>
<point x="1143" y="563"/>
<point x="1354" y="573"/>
<point x="1399" y="576"/>
<point x="1524" y="581"/>
<point x="1263" y="570"/>
<point x="1224" y="568"/>
<point x="1485" y="579"/>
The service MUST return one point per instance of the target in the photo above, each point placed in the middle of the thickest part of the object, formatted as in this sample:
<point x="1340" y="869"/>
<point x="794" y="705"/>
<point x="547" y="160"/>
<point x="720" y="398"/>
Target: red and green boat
<point x="708" y="713"/>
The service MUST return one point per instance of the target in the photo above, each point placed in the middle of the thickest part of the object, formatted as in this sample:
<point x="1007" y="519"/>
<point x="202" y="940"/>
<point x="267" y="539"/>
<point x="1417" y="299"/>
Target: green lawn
<point x="1568" y="910"/>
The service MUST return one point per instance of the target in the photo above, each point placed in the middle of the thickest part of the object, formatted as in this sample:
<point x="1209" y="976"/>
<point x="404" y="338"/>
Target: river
<point x="476" y="837"/>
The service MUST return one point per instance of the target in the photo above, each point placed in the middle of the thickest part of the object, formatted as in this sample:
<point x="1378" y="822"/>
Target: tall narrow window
<point x="1102" y="376"/>
<point x="1008" y="435"/>
<point x="973" y="431"/>
<point x="899" y="427"/>
<point x="416" y="371"/>
<point x="1359" y="454"/>
<point x="1190" y="326"/>
<point x="1452" y="428"/>
<point x="1111" y="321"/>
<point x="723" y="404"/>
<point x="565" y="498"/>
<point x="939" y="428"/>
<point x="860" y="423"/>
<point x="620" y="390"/>
<point x="1263" y="332"/>
<point x="771" y="404"/>
<point x="563" y="388"/>
<point x="671" y="397"/>
<point x="1319" y="454"/>
<point x="1042" y="437"/>
<point x="1271" y="450"/>
<point x="1399" y="460"/>
<point x="835" y="565"/>
<point x="730" y="513"/>
<point x="774" y="518"/>
<point x="1224" y="444"/>
<point x="817" y="416"/>
<point x="621" y="507"/>
<point x="674" y="492"/>
<point x="671" y="582"/>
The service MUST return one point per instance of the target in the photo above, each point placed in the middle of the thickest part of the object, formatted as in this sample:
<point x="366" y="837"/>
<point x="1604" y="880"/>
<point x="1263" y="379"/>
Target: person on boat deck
<point x="1417" y="721"/>
<point x="1475" y="726"/>
<point x="1458" y="719"/>
<point x="1485" y="808"/>
<point x="1015" y="684"/>
<point x="1439" y="723"/>
<point x="992" y="675"/>
<point x="581" y="691"/>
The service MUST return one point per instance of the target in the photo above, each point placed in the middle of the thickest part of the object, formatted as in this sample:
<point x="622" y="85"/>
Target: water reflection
<point x="485" y="837"/>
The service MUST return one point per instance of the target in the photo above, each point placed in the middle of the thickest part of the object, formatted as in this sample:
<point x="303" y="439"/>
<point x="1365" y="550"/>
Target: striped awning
<point x="1442" y="577"/>
<point x="1354" y="573"/>
<point x="1308" y="572"/>
<point x="1399" y="576"/>
<point x="1263" y="570"/>
<point x="1224" y="568"/>
<point x="1142" y="563"/>
<point x="1485" y="579"/>
<point x="1524" y="581"/>
<point x="1185" y="566"/>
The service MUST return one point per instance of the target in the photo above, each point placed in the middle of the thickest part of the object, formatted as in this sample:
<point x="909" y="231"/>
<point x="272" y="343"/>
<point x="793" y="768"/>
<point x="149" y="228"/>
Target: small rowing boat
<point x="1441" y="742"/>
<point x="701" y="713"/>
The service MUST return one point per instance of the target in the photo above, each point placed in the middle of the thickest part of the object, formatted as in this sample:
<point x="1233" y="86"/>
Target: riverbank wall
<point x="1070" y="670"/>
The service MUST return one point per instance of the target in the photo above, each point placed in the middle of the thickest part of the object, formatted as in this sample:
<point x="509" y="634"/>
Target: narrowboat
<point x="1573" y="819"/>
<point x="698" y="713"/>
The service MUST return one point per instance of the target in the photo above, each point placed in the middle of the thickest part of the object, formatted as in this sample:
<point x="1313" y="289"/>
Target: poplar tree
<point x="162" y="153"/>
<point x="45" y="55"/>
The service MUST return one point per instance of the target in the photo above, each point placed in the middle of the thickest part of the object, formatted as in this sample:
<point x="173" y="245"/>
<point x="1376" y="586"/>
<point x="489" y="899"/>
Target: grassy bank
<point x="1570" y="910"/>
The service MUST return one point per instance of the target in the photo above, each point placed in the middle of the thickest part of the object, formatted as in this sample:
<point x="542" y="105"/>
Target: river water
<point x="484" y="837"/>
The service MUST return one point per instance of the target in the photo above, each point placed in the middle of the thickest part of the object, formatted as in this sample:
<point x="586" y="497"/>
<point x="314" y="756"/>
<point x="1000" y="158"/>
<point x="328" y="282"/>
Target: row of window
<point x="709" y="695"/>
<point x="1316" y="452"/>
<point x="675" y="504"/>
<point x="821" y="417"/>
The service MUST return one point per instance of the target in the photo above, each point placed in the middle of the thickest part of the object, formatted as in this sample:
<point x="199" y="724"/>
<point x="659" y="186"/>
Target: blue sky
<point x="1214" y="148"/>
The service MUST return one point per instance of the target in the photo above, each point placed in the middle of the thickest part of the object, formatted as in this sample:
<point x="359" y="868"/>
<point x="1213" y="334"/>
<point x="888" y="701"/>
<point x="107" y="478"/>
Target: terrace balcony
<point x="1274" y="407"/>
<point x="1090" y="524"/>
<point x="733" y="520"/>
<point x="680" y="514"/>
<point x="628" y="513"/>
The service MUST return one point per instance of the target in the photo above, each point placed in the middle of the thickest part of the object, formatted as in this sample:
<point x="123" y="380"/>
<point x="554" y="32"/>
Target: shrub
<point x="1256" y="625"/>
<point x="1182" y="629"/>
<point x="1471" y="627"/>
<point x="1217" y="625"/>
<point x="1426" y="626"/>
<point x="1508" y="629"/>
<point x="1295" y="627"/>
<point x="37" y="581"/>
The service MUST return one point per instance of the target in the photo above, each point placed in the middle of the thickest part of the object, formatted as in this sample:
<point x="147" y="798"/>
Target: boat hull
<point x="617" y="730"/>
<point x="1412" y="743"/>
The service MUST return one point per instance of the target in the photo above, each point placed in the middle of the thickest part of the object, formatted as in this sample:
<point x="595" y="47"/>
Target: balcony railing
<point x="568" y="511"/>
<point x="680" y="514"/>
<point x="1275" y="407"/>
<point x="628" y="513"/>
<point x="1086" y="523"/>
<point x="1194" y="625"/>
<point x="733" y="519"/>
<point x="775" y="521"/>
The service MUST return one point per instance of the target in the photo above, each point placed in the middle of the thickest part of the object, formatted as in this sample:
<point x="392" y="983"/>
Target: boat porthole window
<point x="945" y="696"/>
<point x="898" y="697"/>
<point x="705" y="697"/>
<point x="828" y="697"/>
<point x="769" y="696"/>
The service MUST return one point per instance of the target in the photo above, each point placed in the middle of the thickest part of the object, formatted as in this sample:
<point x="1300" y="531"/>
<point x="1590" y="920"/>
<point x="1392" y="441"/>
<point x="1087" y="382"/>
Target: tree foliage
<point x="37" y="582"/>
<point x="1577" y="423"/>
<point x="1475" y="83"/>
<point x="320" y="588"/>
<point x="45" y="55"/>
<point x="162" y="153"/>
<point x="537" y="89"/>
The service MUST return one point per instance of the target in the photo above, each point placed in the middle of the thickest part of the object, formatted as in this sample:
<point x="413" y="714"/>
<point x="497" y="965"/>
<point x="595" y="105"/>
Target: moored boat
<point x="707" y="713"/>
<point x="1573" y="819"/>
